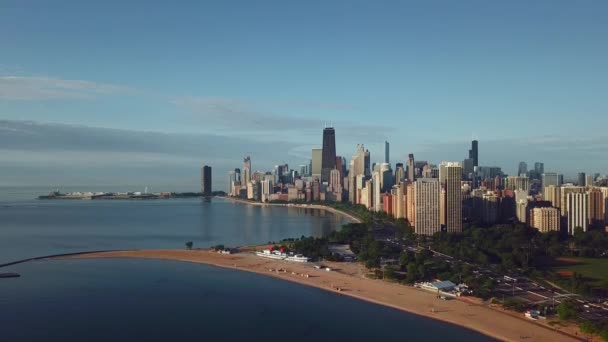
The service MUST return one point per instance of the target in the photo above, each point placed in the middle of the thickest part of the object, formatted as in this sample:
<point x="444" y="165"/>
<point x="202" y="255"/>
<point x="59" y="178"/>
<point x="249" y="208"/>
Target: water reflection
<point x="40" y="228"/>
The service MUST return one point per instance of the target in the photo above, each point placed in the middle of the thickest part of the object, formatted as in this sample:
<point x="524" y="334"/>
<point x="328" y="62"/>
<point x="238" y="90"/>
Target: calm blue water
<point x="149" y="300"/>
<point x="31" y="228"/>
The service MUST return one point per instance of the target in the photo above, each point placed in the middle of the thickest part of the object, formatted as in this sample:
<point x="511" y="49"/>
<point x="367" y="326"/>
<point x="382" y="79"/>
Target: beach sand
<point x="349" y="277"/>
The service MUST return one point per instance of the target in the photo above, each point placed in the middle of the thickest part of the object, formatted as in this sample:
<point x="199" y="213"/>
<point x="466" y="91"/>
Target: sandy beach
<point x="349" y="278"/>
<point x="348" y="216"/>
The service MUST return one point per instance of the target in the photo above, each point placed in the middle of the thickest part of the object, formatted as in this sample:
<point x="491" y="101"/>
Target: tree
<point x="588" y="328"/>
<point x="189" y="244"/>
<point x="566" y="311"/>
<point x="389" y="272"/>
<point x="411" y="273"/>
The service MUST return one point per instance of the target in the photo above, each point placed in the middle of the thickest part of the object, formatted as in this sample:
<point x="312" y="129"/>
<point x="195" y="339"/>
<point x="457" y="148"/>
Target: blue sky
<point x="529" y="79"/>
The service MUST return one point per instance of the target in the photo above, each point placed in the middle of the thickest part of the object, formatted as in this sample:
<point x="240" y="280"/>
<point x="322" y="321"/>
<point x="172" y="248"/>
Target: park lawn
<point x="591" y="268"/>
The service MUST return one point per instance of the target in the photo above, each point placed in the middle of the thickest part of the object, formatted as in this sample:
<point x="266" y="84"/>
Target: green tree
<point x="411" y="273"/>
<point x="588" y="328"/>
<point x="389" y="272"/>
<point x="189" y="244"/>
<point x="566" y="311"/>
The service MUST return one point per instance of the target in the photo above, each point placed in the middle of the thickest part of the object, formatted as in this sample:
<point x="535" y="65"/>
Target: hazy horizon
<point x="114" y="93"/>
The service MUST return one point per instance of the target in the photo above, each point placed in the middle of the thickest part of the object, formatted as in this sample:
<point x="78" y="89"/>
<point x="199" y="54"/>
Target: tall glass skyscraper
<point x="206" y="180"/>
<point x="328" y="157"/>
<point x="387" y="157"/>
<point x="474" y="153"/>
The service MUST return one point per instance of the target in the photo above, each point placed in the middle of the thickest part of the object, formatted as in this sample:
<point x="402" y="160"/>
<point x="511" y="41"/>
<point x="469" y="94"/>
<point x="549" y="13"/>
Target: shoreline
<point x="334" y="211"/>
<point x="349" y="278"/>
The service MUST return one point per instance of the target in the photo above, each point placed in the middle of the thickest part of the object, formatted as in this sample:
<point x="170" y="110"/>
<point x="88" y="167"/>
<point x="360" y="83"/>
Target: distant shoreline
<point x="348" y="279"/>
<point x="335" y="211"/>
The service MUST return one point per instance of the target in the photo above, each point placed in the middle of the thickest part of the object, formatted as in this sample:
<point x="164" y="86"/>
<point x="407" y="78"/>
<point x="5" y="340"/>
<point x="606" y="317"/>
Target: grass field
<point x="596" y="269"/>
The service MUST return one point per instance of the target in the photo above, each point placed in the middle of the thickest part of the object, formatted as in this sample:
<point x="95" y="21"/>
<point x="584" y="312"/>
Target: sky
<point x="146" y="92"/>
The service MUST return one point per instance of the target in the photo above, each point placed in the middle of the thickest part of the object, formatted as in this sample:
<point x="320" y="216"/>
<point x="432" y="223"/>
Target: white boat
<point x="297" y="258"/>
<point x="267" y="253"/>
<point x="274" y="254"/>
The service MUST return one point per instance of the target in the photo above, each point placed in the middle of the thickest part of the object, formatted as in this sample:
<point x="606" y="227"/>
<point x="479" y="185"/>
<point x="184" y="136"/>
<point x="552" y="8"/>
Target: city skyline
<point x="201" y="84"/>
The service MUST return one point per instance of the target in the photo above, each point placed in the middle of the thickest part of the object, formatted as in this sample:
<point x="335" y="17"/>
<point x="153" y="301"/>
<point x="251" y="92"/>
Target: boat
<point x="281" y="255"/>
<point x="297" y="258"/>
<point x="10" y="275"/>
<point x="267" y="253"/>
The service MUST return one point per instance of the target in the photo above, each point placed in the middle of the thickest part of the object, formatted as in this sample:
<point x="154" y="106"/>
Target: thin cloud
<point x="269" y="119"/>
<point x="36" y="88"/>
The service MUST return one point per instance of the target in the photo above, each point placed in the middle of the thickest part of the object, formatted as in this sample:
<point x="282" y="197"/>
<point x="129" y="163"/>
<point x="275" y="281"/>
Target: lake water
<point x="31" y="228"/>
<point x="150" y="300"/>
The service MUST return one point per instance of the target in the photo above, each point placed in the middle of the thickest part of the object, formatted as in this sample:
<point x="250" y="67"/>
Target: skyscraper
<point x="545" y="219"/>
<point x="474" y="153"/>
<point x="237" y="175"/>
<point x="522" y="169"/>
<point x="386" y="177"/>
<point x="578" y="211"/>
<point x="387" y="158"/>
<point x="550" y="178"/>
<point x="426" y="203"/>
<point x="231" y="181"/>
<point x="411" y="175"/>
<point x="596" y="208"/>
<point x="328" y="160"/>
<point x="246" y="170"/>
<point x="564" y="192"/>
<point x="206" y="180"/>
<point x="468" y="166"/>
<point x="399" y="173"/>
<point x="581" y="179"/>
<point x="453" y="198"/>
<point x="366" y="163"/>
<point x="316" y="162"/>
<point x="539" y="168"/>
<point x="377" y="187"/>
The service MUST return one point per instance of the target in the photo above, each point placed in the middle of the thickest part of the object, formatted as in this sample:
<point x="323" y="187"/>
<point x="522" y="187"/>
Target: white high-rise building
<point x="552" y="193"/>
<point x="577" y="205"/>
<point x="564" y="191"/>
<point x="266" y="190"/>
<point x="377" y="186"/>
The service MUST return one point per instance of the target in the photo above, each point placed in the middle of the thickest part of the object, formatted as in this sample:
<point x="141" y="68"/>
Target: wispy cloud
<point x="78" y="152"/>
<point x="28" y="88"/>
<point x="275" y="118"/>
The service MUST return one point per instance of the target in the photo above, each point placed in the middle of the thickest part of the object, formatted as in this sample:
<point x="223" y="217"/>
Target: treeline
<point x="519" y="246"/>
<point x="356" y="235"/>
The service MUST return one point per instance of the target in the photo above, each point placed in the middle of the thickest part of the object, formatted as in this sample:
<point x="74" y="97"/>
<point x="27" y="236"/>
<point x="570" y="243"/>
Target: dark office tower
<point x="539" y="168"/>
<point x="387" y="158"/>
<point x="522" y="169"/>
<point x="237" y="175"/>
<point x="328" y="154"/>
<point x="411" y="174"/>
<point x="339" y="167"/>
<point x="581" y="179"/>
<point x="474" y="153"/>
<point x="366" y="163"/>
<point x="206" y="180"/>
